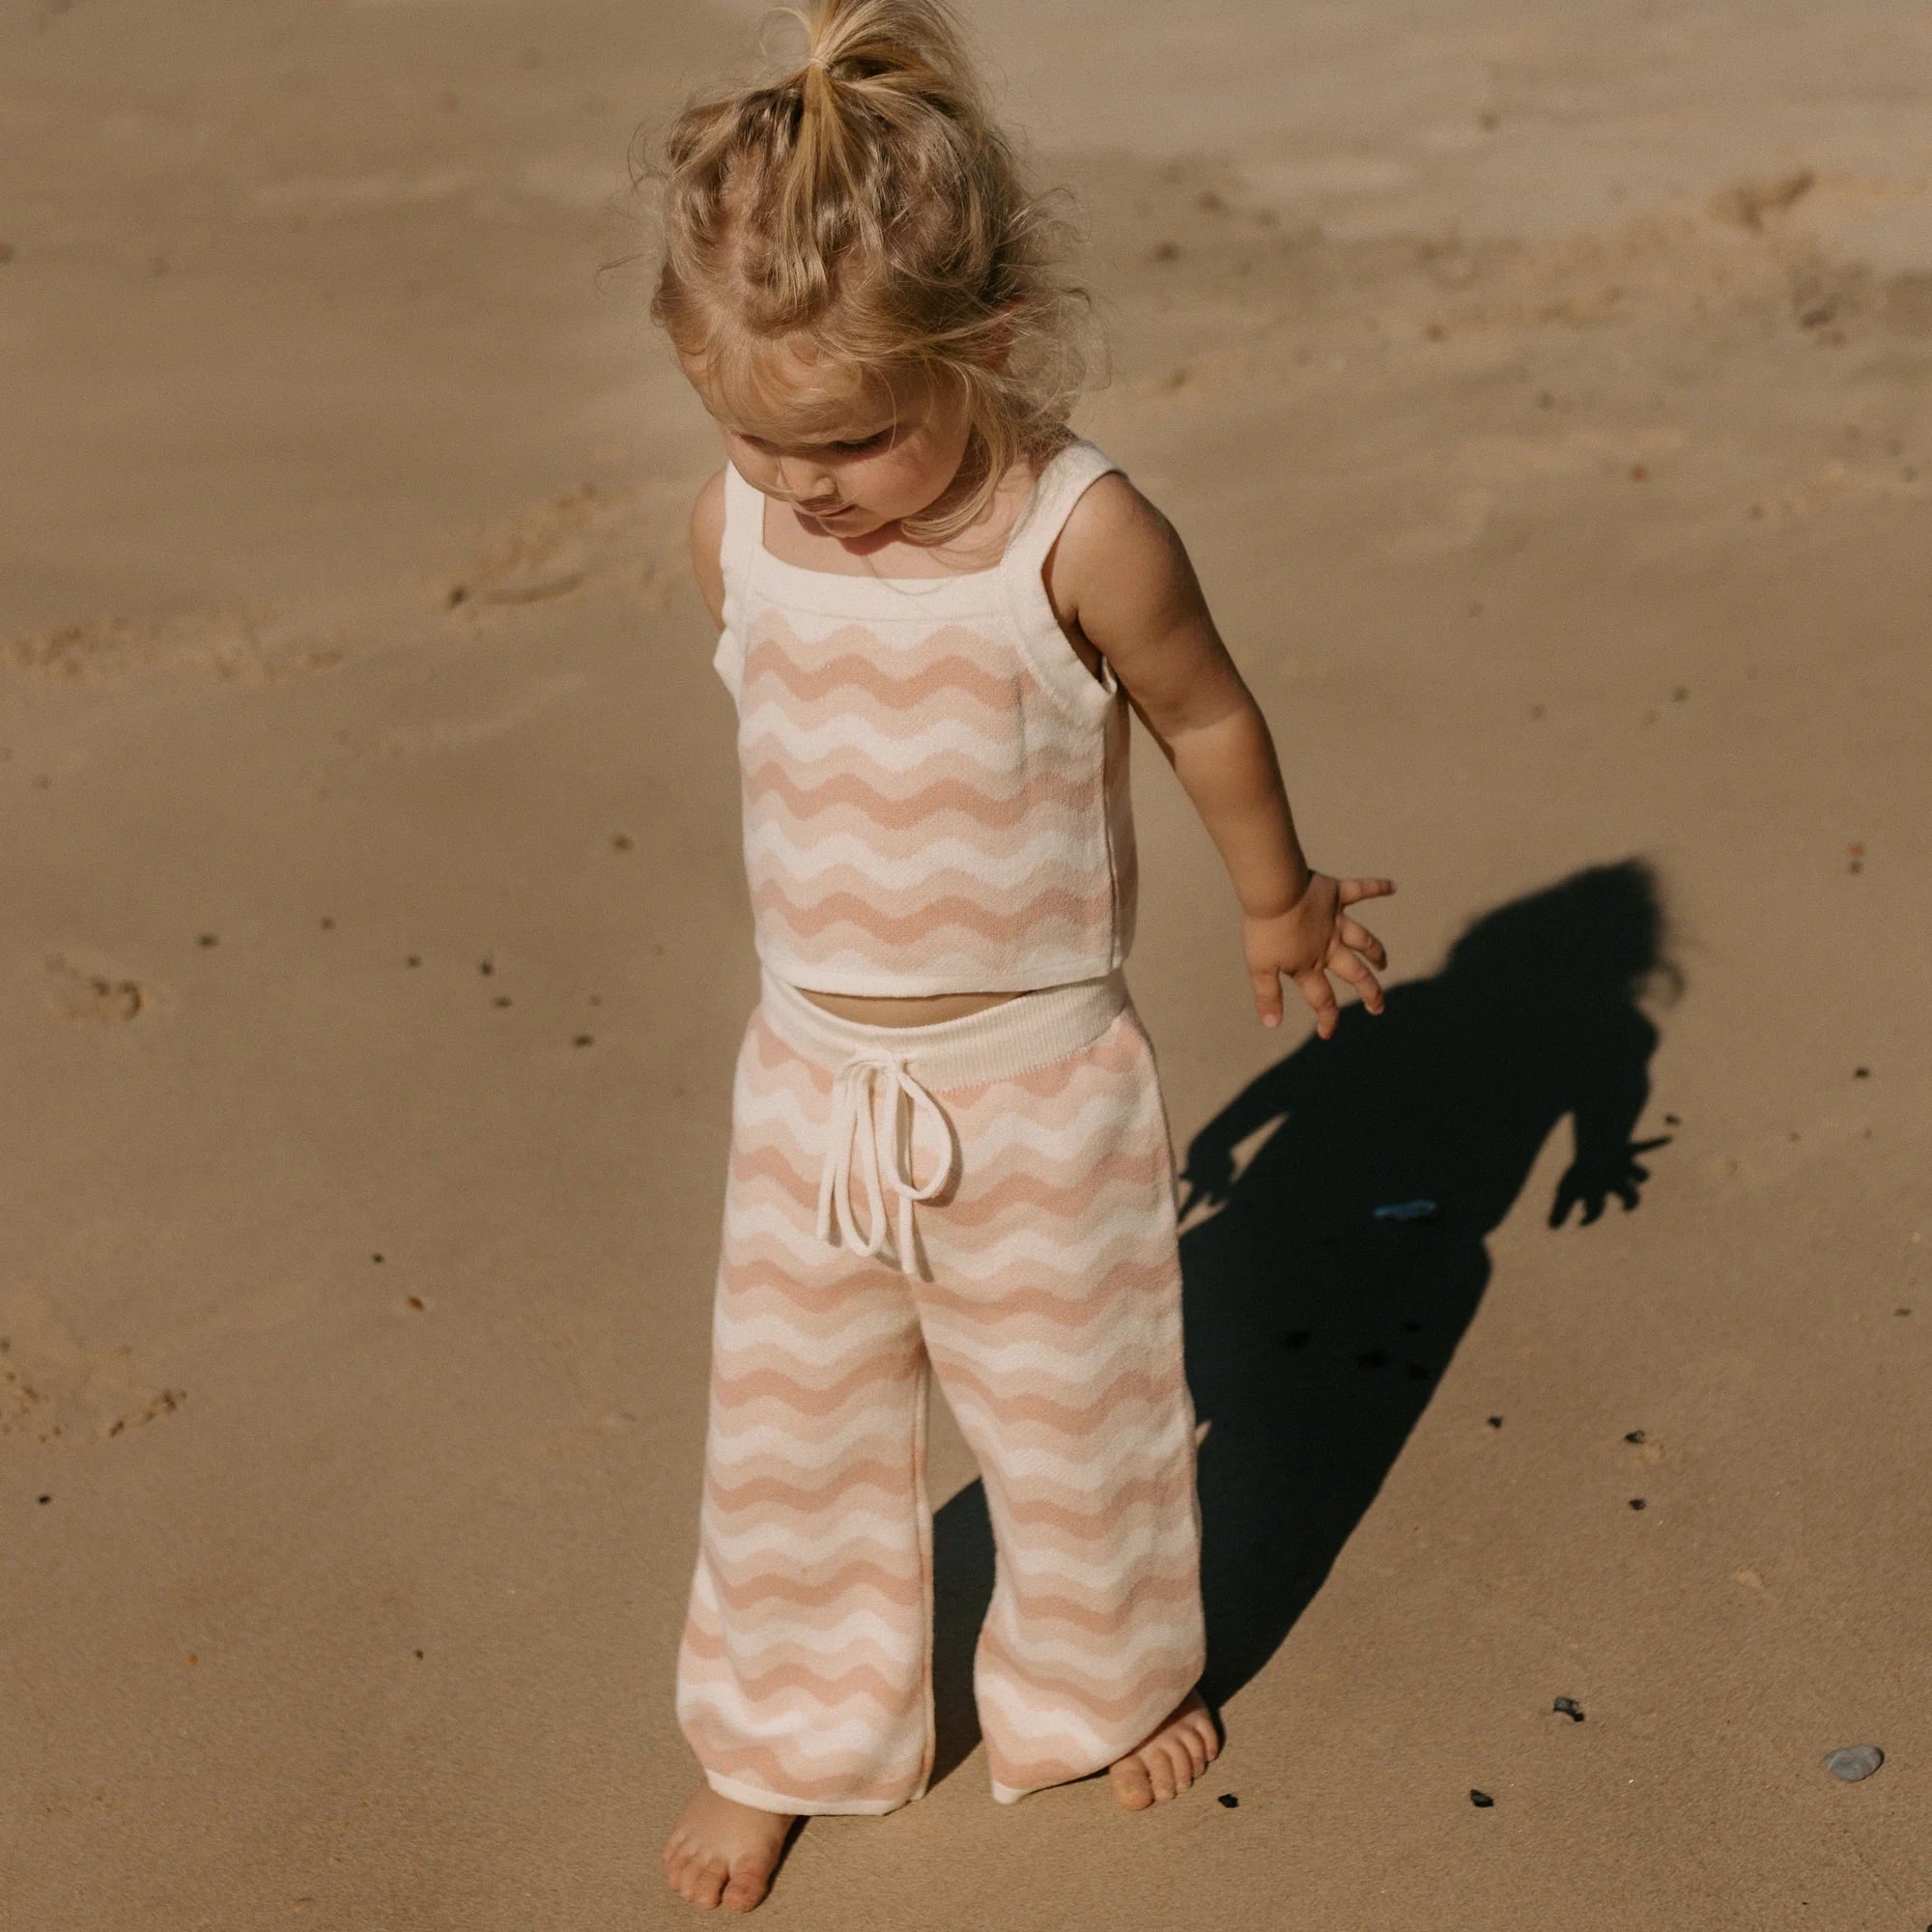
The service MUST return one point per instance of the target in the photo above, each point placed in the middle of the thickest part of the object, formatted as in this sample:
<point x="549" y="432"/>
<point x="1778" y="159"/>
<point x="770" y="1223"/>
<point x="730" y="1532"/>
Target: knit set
<point x="935" y="799"/>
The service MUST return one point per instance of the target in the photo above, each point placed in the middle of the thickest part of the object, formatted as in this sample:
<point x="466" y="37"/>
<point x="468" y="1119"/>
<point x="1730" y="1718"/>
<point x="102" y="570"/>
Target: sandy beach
<point x="1546" y="397"/>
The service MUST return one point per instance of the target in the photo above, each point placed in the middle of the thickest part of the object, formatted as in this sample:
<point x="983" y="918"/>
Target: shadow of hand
<point x="1208" y="1176"/>
<point x="1588" y="1184"/>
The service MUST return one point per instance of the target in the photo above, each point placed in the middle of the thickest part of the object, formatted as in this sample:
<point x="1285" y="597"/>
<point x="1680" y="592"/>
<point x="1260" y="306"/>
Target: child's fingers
<point x="1368" y="988"/>
<point x="1267" y="996"/>
<point x="1352" y="889"/>
<point x="1358" y="936"/>
<point x="1314" y="989"/>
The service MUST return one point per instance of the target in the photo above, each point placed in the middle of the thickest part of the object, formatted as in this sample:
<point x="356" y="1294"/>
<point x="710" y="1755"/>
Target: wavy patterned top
<point x="935" y="787"/>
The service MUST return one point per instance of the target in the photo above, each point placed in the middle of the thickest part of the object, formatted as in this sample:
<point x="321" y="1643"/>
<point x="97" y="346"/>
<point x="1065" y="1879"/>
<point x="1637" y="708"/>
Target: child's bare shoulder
<point x="1115" y="543"/>
<point x="707" y="539"/>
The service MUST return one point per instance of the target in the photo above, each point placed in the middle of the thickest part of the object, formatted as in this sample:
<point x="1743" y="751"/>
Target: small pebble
<point x="414" y="959"/>
<point x="45" y="1499"/>
<point x="1854" y="1762"/>
<point x="1228" y="1800"/>
<point x="1672" y="1120"/>
<point x="207" y="939"/>
<point x="415" y="1301"/>
<point x="419" y="1656"/>
<point x="1636" y="1502"/>
<point x="1570" y="1708"/>
<point x="1635" y="1436"/>
<point x="486" y="966"/>
<point x="1495" y="1422"/>
<point x="327" y="923"/>
<point x="581" y="1039"/>
<point x="375" y="1257"/>
<point x="1481" y="1800"/>
<point x="501" y="1000"/>
<point x="1862" y="1073"/>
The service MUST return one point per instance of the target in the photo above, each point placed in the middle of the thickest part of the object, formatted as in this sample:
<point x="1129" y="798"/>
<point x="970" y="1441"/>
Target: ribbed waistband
<point x="1019" y="1035"/>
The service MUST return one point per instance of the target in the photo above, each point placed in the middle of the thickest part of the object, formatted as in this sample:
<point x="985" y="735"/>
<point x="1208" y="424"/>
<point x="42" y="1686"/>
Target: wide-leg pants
<point x="990" y="1200"/>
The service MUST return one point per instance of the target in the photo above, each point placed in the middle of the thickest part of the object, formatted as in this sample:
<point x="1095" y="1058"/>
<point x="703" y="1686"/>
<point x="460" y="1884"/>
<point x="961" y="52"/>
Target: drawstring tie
<point x="856" y="1091"/>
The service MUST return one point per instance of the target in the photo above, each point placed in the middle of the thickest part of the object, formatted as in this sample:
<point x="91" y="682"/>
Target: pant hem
<point x="762" y="1799"/>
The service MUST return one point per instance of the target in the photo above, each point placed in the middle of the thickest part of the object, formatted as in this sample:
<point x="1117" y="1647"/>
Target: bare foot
<point x="1169" y="1760"/>
<point x="724" y="1853"/>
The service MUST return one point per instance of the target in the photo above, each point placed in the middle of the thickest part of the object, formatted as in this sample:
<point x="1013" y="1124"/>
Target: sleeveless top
<point x="935" y="787"/>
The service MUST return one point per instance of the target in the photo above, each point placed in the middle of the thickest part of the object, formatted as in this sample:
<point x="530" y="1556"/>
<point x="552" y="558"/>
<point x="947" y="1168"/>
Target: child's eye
<point x="871" y="442"/>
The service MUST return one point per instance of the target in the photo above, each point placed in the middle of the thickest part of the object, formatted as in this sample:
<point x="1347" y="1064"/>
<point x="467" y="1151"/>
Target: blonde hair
<point x="867" y="209"/>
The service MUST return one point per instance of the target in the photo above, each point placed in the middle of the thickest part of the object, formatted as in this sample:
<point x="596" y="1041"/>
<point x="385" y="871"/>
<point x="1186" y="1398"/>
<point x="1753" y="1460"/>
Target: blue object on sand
<point x="1408" y="1211"/>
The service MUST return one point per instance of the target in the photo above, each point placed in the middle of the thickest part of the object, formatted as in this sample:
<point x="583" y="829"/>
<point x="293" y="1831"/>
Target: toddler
<point x="949" y="1152"/>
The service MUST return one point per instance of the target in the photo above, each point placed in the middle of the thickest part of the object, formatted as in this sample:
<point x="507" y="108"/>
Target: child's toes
<point x="704" y="1882"/>
<point x="751" y="1880"/>
<point x="1202" y="1734"/>
<point x="1131" y="1784"/>
<point x="1161" y="1769"/>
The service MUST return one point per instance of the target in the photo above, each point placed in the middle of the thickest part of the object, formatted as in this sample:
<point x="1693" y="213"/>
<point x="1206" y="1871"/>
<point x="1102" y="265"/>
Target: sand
<point x="1544" y="395"/>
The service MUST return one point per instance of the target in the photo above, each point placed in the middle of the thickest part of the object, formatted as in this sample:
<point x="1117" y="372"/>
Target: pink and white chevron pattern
<point x="919" y="812"/>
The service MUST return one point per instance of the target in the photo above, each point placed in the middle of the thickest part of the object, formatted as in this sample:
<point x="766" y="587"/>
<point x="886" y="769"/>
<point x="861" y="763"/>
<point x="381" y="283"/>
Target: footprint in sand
<point x="244" y="644"/>
<point x="54" y="1388"/>
<point x="1747" y="203"/>
<point x="585" y="533"/>
<point x="91" y="997"/>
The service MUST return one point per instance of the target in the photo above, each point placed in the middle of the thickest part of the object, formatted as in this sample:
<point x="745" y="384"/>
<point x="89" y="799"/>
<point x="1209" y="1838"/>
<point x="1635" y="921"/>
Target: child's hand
<point x="1312" y="939"/>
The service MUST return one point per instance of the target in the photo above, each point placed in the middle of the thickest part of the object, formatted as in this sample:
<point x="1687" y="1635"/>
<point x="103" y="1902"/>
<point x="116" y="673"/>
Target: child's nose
<point x="820" y="483"/>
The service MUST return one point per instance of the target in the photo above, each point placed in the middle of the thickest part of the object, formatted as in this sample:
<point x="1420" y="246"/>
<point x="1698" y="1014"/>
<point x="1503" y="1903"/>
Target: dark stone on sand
<point x="1495" y="1422"/>
<point x="1228" y="1799"/>
<point x="1636" y="1502"/>
<point x="1635" y="1436"/>
<point x="1570" y="1708"/>
<point x="1481" y="1800"/>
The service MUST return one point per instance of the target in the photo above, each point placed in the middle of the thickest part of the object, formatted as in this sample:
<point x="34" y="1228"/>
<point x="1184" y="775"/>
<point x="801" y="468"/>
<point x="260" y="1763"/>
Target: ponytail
<point x="867" y="205"/>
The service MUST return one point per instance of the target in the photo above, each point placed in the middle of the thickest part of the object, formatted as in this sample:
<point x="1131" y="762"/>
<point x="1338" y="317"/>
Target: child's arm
<point x="1122" y="574"/>
<point x="707" y="537"/>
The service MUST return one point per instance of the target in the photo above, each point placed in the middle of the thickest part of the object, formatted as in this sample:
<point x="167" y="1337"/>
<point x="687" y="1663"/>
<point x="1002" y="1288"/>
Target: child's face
<point x="852" y="456"/>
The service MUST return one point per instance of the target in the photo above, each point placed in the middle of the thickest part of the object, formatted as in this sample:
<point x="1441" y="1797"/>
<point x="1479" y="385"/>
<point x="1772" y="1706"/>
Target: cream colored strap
<point x="856" y="1089"/>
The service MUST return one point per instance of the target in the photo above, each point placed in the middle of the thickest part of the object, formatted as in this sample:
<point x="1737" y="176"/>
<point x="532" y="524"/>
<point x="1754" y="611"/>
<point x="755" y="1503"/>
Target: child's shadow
<point x="1316" y="1331"/>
